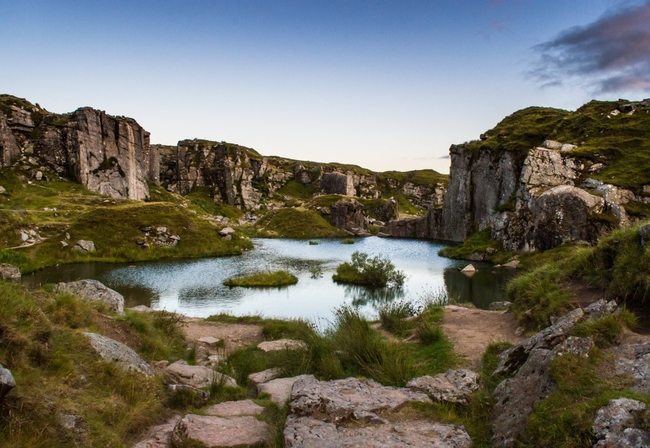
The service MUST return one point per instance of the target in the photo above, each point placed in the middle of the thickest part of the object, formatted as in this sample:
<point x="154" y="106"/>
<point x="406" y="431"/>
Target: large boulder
<point x="94" y="291"/>
<point x="220" y="432"/>
<point x="453" y="386"/>
<point x="354" y="413"/>
<point x="351" y="398"/>
<point x="338" y="183"/>
<point x="7" y="382"/>
<point x="614" y="425"/>
<point x="180" y="372"/>
<point x="311" y="432"/>
<point x="9" y="272"/>
<point x="114" y="351"/>
<point x="160" y="436"/>
<point x="280" y="388"/>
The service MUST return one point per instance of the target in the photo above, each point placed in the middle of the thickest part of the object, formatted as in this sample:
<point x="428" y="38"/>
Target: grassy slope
<point x="113" y="225"/>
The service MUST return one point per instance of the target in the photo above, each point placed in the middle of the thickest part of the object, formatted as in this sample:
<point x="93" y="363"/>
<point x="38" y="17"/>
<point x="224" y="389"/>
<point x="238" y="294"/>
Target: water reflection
<point x="194" y="287"/>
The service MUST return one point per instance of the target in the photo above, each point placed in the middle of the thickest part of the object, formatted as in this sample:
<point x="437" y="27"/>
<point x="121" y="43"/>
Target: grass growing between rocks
<point x="350" y="347"/>
<point x="618" y="265"/>
<point x="262" y="279"/>
<point x="65" y="395"/>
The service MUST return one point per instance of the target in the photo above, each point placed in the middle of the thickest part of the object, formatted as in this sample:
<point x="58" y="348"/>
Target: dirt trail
<point x="234" y="335"/>
<point x="471" y="330"/>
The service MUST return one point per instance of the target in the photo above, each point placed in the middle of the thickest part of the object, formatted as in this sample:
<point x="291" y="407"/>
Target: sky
<point x="384" y="84"/>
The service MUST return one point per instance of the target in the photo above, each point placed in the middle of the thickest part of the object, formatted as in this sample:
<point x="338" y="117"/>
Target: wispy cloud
<point x="611" y="54"/>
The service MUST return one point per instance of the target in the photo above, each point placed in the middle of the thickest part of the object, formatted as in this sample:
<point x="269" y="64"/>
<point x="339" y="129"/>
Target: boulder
<point x="350" y="398"/>
<point x="280" y="388"/>
<point x="515" y="398"/>
<point x="348" y="215"/>
<point x="180" y="372"/>
<point x="226" y="231"/>
<point x="311" y="432"/>
<point x="263" y="377"/>
<point x="235" y="409"/>
<point x="9" y="272"/>
<point x="633" y="360"/>
<point x="281" y="344"/>
<point x="644" y="234"/>
<point x="113" y="351"/>
<point x="211" y="431"/>
<point x="159" y="436"/>
<point x="600" y="308"/>
<point x="453" y="386"/>
<point x="338" y="183"/>
<point x="84" y="246"/>
<point x="614" y="425"/>
<point x="511" y="359"/>
<point x="7" y="382"/>
<point x="94" y="291"/>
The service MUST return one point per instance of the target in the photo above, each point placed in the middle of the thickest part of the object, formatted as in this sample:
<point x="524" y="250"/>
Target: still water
<point x="194" y="287"/>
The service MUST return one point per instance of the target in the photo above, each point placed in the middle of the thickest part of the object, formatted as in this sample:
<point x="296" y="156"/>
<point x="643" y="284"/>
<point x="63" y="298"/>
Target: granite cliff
<point x="106" y="154"/>
<point x="543" y="177"/>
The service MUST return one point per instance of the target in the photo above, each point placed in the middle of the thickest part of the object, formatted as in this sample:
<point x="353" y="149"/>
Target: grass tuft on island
<point x="263" y="279"/>
<point x="377" y="271"/>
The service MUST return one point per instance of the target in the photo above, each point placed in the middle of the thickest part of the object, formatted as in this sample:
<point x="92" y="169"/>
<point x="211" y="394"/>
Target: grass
<point x="297" y="190"/>
<point x="377" y="271"/>
<point x="347" y="241"/>
<point x="261" y="279"/>
<point x="296" y="223"/>
<point x="58" y="373"/>
<point x="396" y="317"/>
<point x="480" y="242"/>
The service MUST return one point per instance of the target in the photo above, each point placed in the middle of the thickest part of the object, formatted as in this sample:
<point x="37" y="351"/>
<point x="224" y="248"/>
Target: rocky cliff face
<point x="538" y="197"/>
<point x="106" y="154"/>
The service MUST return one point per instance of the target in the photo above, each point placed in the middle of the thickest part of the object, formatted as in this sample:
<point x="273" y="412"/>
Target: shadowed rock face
<point x="9" y="149"/>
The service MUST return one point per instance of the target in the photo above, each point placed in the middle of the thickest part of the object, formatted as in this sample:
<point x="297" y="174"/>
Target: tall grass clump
<point x="396" y="317"/>
<point x="377" y="271"/>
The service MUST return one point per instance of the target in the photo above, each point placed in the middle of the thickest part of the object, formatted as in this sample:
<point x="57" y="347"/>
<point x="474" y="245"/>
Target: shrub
<point x="375" y="271"/>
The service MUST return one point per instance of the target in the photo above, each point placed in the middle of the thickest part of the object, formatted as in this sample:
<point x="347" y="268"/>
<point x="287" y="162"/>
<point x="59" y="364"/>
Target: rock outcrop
<point x="220" y="432"/>
<point x="614" y="425"/>
<point x="107" y="154"/>
<point x="7" y="382"/>
<point x="347" y="413"/>
<point x="9" y="272"/>
<point x="113" y="351"/>
<point x="94" y="291"/>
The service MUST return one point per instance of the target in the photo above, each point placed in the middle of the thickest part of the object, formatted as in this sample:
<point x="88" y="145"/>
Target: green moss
<point x="276" y="278"/>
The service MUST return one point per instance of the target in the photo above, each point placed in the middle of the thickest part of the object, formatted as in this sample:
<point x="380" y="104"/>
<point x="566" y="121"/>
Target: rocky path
<point x="471" y="330"/>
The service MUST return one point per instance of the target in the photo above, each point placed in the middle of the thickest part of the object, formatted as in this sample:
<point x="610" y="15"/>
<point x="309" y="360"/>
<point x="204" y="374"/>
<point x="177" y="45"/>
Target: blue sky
<point x="382" y="84"/>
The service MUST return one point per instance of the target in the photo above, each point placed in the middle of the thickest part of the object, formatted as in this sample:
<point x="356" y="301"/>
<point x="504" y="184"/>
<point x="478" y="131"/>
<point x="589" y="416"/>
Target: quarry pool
<point x="194" y="287"/>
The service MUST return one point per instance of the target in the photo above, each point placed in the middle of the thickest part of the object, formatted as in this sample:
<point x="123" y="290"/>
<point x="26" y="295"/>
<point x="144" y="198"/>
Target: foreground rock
<point x="355" y="413"/>
<point x="211" y="431"/>
<point x="311" y="432"/>
<point x="7" y="382"/>
<point x="634" y="360"/>
<point x="280" y="389"/>
<point x="614" y="425"/>
<point x="180" y="372"/>
<point x="235" y="409"/>
<point x="94" y="291"/>
<point x="514" y="357"/>
<point x="515" y="398"/>
<point x="351" y="398"/>
<point x="453" y="386"/>
<point x="113" y="351"/>
<point x="159" y="436"/>
<point x="9" y="272"/>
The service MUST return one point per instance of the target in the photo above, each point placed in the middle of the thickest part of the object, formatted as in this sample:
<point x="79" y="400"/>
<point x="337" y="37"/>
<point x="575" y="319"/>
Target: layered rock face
<point x="532" y="203"/>
<point x="106" y="154"/>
